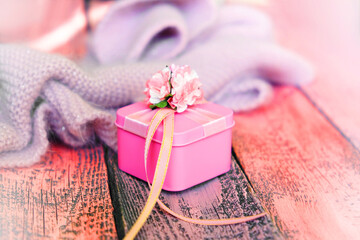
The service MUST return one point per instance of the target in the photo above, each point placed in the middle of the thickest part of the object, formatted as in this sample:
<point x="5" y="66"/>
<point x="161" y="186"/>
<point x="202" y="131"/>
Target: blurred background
<point x="314" y="28"/>
<point x="325" y="32"/>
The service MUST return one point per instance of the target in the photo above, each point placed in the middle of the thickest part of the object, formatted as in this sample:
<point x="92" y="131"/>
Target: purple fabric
<point x="231" y="49"/>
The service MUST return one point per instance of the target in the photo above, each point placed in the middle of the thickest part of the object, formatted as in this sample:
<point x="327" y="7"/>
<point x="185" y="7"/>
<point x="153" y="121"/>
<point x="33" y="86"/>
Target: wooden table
<point x="289" y="159"/>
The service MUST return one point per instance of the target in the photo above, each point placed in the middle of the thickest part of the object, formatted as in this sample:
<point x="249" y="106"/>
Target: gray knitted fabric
<point x="40" y="91"/>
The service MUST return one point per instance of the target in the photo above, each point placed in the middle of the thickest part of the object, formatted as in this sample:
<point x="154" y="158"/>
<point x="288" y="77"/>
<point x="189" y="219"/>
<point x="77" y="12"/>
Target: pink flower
<point x="157" y="87"/>
<point x="185" y="85"/>
<point x="175" y="87"/>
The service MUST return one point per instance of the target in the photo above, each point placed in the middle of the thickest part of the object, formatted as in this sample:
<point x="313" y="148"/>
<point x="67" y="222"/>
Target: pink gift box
<point x="201" y="144"/>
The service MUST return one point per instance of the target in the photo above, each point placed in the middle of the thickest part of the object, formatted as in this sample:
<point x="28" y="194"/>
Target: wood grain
<point x="335" y="93"/>
<point x="66" y="196"/>
<point x="304" y="27"/>
<point x="226" y="196"/>
<point x="303" y="170"/>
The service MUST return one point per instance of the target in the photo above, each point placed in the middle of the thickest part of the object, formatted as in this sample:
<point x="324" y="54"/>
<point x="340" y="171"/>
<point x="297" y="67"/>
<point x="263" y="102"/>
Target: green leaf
<point x="152" y="106"/>
<point x="162" y="104"/>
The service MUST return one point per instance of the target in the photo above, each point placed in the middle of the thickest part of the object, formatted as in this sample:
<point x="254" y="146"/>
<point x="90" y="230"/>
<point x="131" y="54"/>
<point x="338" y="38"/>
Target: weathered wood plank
<point x="226" y="196"/>
<point x="66" y="195"/>
<point x="334" y="52"/>
<point x="336" y="94"/>
<point x="304" y="171"/>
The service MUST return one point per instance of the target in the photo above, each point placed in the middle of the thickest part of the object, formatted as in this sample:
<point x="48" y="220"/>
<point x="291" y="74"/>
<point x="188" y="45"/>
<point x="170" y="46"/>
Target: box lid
<point x="197" y="122"/>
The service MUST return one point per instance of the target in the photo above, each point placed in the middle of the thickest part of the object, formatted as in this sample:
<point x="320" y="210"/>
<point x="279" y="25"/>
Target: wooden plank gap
<point x="113" y="189"/>
<point x="242" y="168"/>
<point x="327" y="117"/>
<point x="254" y="192"/>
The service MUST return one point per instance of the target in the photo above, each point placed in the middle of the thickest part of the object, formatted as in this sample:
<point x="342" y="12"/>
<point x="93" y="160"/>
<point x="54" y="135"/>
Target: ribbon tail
<point x="209" y="222"/>
<point x="167" y="116"/>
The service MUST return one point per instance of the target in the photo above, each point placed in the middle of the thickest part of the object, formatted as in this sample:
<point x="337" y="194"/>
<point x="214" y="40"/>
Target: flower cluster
<point x="176" y="87"/>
